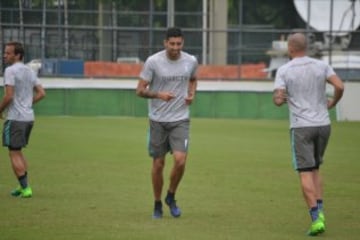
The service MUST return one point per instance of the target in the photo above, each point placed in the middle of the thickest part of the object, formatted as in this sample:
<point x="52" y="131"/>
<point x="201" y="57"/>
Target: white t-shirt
<point x="164" y="74"/>
<point x="304" y="80"/>
<point x="23" y="79"/>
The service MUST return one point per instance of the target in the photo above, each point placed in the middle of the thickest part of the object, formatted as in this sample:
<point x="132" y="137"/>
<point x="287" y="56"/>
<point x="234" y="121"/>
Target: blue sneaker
<point x="158" y="213"/>
<point x="174" y="210"/>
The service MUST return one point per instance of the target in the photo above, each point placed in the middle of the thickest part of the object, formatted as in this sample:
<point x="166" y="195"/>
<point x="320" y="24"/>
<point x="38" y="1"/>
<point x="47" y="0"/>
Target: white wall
<point x="349" y="106"/>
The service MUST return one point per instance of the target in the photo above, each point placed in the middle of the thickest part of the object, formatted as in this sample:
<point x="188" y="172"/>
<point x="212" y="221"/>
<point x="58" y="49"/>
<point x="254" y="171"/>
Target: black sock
<point x="314" y="213"/>
<point x="320" y="204"/>
<point x="158" y="205"/>
<point x="23" y="180"/>
<point x="170" y="195"/>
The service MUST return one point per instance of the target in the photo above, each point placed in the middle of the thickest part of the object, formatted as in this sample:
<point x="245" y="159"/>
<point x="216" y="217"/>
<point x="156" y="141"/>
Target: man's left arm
<point x="39" y="93"/>
<point x="191" y="90"/>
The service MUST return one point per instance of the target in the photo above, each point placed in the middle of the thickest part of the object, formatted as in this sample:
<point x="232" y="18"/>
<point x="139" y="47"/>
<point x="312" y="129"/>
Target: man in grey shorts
<point x="168" y="80"/>
<point x="301" y="83"/>
<point x="20" y="83"/>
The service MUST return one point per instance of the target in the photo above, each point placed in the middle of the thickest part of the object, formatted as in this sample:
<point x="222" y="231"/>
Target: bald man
<point x="301" y="83"/>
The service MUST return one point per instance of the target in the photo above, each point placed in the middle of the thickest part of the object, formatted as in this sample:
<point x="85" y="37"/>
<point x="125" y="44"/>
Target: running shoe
<point x="158" y="213"/>
<point x="26" y="192"/>
<point x="316" y="228"/>
<point x="174" y="209"/>
<point x="322" y="216"/>
<point x="16" y="192"/>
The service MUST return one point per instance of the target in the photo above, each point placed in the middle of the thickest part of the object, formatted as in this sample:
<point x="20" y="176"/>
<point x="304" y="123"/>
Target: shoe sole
<point x="318" y="232"/>
<point x="26" y="196"/>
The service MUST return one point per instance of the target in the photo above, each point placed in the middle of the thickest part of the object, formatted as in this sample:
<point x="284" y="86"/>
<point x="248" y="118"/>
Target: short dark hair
<point x="173" y="32"/>
<point x="18" y="48"/>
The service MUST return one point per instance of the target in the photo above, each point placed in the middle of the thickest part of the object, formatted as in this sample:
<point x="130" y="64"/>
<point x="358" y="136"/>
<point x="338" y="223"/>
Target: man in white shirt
<point x="301" y="83"/>
<point x="20" y="83"/>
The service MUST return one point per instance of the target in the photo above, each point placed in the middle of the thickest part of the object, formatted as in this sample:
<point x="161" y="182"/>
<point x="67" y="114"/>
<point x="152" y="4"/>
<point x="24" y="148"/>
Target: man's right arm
<point x="279" y="96"/>
<point x="142" y="90"/>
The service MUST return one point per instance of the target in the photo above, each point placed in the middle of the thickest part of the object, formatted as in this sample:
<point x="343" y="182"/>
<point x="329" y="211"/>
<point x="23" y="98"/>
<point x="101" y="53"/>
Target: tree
<point x="281" y="14"/>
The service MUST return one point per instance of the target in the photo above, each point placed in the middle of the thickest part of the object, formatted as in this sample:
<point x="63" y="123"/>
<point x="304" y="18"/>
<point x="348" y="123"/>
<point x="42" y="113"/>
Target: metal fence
<point x="110" y="33"/>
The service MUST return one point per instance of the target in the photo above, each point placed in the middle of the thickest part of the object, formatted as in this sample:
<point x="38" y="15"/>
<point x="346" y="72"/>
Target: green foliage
<point x="277" y="13"/>
<point x="91" y="180"/>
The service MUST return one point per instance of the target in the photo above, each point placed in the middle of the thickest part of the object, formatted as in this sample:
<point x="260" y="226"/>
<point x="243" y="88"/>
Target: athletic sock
<point x="23" y="180"/>
<point x="170" y="195"/>
<point x="158" y="204"/>
<point x="314" y="213"/>
<point x="320" y="204"/>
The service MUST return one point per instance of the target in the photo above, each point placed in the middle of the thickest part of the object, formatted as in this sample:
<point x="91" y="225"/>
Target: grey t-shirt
<point x="164" y="74"/>
<point x="23" y="79"/>
<point x="304" y="79"/>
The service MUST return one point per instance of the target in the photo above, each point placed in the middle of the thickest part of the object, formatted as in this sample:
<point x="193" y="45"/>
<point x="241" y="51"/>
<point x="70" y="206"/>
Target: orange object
<point x="208" y="72"/>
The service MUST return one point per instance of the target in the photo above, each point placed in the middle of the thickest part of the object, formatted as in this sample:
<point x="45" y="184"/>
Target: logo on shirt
<point x="174" y="78"/>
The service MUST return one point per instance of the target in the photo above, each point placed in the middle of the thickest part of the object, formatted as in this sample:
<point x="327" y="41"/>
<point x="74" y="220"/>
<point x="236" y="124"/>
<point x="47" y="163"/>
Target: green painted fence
<point x="114" y="97"/>
<point x="124" y="102"/>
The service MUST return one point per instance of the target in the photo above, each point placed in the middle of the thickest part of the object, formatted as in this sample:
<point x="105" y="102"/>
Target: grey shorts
<point x="168" y="136"/>
<point x="16" y="134"/>
<point x="308" y="146"/>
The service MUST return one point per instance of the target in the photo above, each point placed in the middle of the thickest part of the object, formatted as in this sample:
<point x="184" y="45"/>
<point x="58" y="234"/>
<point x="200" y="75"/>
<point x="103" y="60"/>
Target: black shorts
<point x="16" y="134"/>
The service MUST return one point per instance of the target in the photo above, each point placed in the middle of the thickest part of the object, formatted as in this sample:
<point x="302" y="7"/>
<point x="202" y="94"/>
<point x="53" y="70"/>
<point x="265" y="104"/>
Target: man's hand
<point x="189" y="99"/>
<point x="165" y="96"/>
<point x="279" y="96"/>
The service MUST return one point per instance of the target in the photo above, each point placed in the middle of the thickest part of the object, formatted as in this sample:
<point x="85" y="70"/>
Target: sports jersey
<point x="304" y="80"/>
<point x="23" y="79"/>
<point x="164" y="74"/>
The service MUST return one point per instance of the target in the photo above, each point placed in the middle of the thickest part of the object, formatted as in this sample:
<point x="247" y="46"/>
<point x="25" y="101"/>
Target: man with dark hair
<point x="20" y="82"/>
<point x="168" y="80"/>
<point x="302" y="84"/>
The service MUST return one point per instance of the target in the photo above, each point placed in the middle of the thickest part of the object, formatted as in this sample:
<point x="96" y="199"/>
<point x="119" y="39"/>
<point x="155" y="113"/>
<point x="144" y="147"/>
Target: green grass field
<point x="91" y="180"/>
